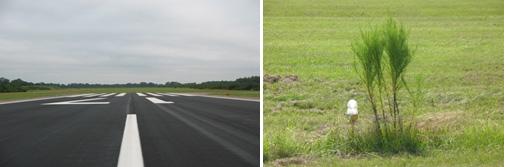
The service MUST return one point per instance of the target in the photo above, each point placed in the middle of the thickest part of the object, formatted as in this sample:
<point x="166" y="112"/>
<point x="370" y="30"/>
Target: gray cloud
<point x="122" y="41"/>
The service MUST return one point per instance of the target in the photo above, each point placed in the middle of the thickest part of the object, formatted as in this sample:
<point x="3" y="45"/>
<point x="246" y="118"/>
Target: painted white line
<point x="130" y="154"/>
<point x="95" y="94"/>
<point x="154" y="94"/>
<point x="140" y="94"/>
<point x="82" y="101"/>
<point x="29" y="100"/>
<point x="158" y="101"/>
<point x="90" y="95"/>
<point x="79" y="95"/>
<point x="121" y="94"/>
<point x="106" y="95"/>
<point x="168" y="94"/>
<point x="229" y="98"/>
<point x="183" y="94"/>
<point x="219" y="97"/>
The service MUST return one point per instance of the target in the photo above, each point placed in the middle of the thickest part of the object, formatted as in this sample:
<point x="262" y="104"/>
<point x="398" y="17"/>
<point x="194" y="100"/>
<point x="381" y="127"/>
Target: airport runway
<point x="134" y="129"/>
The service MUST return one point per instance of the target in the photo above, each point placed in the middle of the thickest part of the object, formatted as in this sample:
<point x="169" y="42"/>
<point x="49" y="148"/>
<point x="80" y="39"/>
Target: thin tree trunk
<point x="374" y="109"/>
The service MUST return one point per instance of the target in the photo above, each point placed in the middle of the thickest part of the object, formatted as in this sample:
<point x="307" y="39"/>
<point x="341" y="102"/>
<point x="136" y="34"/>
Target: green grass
<point x="60" y="92"/>
<point x="459" y="54"/>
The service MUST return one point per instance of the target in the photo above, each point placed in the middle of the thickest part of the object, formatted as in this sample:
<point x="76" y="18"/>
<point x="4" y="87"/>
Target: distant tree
<point x="4" y="84"/>
<point x="173" y="84"/>
<point x="246" y="83"/>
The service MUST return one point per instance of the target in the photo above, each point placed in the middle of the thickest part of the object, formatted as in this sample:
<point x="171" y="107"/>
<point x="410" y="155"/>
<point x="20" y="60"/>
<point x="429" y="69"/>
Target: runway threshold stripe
<point x="183" y="94"/>
<point x="130" y="154"/>
<point x="140" y="94"/>
<point x="154" y="94"/>
<point x="229" y="98"/>
<point x="168" y="94"/>
<point x="77" y="95"/>
<point x="82" y="101"/>
<point x="95" y="94"/>
<point x="121" y="94"/>
<point x="90" y="95"/>
<point x="30" y="100"/>
<point x="106" y="95"/>
<point x="158" y="101"/>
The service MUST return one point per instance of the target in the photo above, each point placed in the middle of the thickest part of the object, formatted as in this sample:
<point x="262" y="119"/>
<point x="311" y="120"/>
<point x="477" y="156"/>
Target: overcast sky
<point x="120" y="41"/>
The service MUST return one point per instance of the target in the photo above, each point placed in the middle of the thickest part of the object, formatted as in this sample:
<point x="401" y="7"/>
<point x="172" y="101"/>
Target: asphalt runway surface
<point x="134" y="129"/>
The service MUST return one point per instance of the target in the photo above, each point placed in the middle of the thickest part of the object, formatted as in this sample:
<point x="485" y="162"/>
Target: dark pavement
<point x="191" y="131"/>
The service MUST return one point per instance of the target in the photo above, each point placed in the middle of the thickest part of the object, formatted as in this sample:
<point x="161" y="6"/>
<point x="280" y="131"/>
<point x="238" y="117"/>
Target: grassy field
<point x="459" y="55"/>
<point x="60" y="92"/>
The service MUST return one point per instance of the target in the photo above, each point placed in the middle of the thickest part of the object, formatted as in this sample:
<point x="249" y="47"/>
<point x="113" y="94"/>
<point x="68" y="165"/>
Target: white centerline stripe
<point x="130" y="154"/>
<point x="140" y="94"/>
<point x="154" y="94"/>
<point x="158" y="101"/>
<point x="121" y="94"/>
<point x="106" y="95"/>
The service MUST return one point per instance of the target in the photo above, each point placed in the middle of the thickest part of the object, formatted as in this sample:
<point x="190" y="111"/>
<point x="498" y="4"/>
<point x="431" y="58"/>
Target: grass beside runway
<point x="71" y="91"/>
<point x="459" y="54"/>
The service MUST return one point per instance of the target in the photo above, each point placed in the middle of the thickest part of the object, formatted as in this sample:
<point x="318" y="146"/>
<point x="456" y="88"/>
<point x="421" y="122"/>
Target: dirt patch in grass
<point x="290" y="79"/>
<point x="439" y="120"/>
<point x="300" y="160"/>
<point x="276" y="78"/>
<point x="271" y="78"/>
<point x="301" y="105"/>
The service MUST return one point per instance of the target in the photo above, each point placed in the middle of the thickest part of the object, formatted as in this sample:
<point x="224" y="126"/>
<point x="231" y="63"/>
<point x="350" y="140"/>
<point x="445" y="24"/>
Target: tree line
<point x="18" y="85"/>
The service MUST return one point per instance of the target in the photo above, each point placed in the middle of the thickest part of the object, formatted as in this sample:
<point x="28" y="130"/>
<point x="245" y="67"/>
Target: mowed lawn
<point x="73" y="91"/>
<point x="459" y="55"/>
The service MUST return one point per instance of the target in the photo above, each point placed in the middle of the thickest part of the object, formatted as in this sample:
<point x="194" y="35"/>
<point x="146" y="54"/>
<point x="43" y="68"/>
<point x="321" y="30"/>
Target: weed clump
<point x="280" y="145"/>
<point x="382" y="56"/>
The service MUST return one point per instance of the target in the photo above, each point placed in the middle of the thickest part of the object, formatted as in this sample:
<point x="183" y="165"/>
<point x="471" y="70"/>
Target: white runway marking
<point x="158" y="101"/>
<point x="219" y="97"/>
<point x="90" y="95"/>
<point x="168" y="94"/>
<point x="130" y="154"/>
<point x="229" y="98"/>
<point x="29" y="100"/>
<point x="182" y="94"/>
<point x="121" y="94"/>
<point x="95" y="94"/>
<point x="106" y="95"/>
<point x="140" y="94"/>
<point x="83" y="101"/>
<point x="154" y="94"/>
<point x="79" y="95"/>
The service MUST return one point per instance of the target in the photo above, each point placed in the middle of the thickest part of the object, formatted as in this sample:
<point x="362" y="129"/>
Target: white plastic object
<point x="352" y="108"/>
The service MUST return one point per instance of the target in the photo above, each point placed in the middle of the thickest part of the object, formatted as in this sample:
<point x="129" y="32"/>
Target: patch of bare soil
<point x="290" y="79"/>
<point x="439" y="120"/>
<point x="300" y="160"/>
<point x="271" y="78"/>
<point x="302" y="105"/>
<point x="276" y="78"/>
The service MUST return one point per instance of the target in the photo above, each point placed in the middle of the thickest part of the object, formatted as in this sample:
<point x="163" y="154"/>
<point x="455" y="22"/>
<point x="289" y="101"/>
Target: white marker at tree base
<point x="352" y="111"/>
